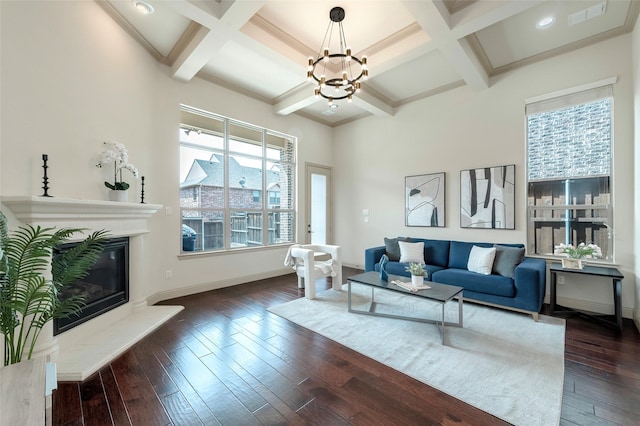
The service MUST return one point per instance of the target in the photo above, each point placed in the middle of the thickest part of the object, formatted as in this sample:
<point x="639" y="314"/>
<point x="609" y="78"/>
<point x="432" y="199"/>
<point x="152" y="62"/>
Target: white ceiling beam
<point x="296" y="99"/>
<point x="464" y="60"/>
<point x="218" y="26"/>
<point x="372" y="104"/>
<point x="236" y="13"/>
<point x="436" y="21"/>
<point x="196" y="54"/>
<point x="206" y="14"/>
<point x="483" y="14"/>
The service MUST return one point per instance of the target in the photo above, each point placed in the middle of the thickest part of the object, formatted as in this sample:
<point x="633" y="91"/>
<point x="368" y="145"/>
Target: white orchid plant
<point x="579" y="251"/>
<point x="117" y="154"/>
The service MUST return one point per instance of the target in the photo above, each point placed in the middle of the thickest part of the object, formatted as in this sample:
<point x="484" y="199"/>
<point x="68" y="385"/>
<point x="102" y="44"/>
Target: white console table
<point x="25" y="392"/>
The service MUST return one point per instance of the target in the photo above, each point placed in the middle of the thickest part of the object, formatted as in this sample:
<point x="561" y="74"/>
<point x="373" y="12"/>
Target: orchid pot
<point x="120" y="195"/>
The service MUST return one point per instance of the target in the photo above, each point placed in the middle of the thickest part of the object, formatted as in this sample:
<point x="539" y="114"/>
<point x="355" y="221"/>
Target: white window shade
<point x="559" y="101"/>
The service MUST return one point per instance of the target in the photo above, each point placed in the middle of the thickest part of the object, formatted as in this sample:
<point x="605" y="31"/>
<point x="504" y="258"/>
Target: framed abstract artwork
<point x="487" y="197"/>
<point x="424" y="200"/>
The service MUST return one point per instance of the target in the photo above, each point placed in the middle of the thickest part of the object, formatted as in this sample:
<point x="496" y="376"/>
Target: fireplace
<point x="83" y="350"/>
<point x="104" y="288"/>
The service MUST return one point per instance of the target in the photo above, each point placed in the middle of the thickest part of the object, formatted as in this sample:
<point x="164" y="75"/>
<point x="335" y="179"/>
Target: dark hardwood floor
<point x="226" y="360"/>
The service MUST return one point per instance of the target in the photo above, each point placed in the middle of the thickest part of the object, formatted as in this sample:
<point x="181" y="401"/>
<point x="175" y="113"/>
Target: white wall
<point x="71" y="79"/>
<point x="84" y="80"/>
<point x="463" y="129"/>
<point x="635" y="47"/>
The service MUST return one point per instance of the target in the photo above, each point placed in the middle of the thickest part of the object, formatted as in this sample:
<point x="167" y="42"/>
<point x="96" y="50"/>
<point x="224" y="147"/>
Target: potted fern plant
<point x="28" y="299"/>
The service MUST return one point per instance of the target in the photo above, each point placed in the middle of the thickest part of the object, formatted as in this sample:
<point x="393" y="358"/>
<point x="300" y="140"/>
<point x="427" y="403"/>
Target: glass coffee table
<point x="439" y="293"/>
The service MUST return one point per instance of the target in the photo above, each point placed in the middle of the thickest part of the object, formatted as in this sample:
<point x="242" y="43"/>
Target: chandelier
<point x="337" y="74"/>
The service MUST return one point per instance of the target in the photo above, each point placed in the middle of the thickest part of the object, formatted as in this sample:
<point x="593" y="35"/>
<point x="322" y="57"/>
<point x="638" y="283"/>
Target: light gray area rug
<point x="501" y="362"/>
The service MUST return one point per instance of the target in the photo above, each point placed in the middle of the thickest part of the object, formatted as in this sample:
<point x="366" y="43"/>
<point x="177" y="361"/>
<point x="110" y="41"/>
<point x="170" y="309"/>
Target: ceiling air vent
<point x="588" y="13"/>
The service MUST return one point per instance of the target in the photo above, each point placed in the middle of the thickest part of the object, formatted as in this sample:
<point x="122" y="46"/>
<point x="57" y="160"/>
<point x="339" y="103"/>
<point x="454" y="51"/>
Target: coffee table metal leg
<point x="443" y="305"/>
<point x="460" y="317"/>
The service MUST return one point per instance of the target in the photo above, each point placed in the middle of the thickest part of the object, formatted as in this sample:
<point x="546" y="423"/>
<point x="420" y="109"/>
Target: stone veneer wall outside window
<point x="570" y="142"/>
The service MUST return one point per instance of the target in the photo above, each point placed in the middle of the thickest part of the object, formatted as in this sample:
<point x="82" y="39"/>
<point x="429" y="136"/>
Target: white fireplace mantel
<point x="83" y="350"/>
<point x="120" y="219"/>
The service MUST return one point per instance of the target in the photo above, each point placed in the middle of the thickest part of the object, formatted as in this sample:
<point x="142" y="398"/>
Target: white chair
<point x="301" y="256"/>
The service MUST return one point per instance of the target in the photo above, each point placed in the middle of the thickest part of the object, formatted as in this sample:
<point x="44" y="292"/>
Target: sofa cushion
<point x="411" y="252"/>
<point x="436" y="252"/>
<point x="487" y="284"/>
<point x="481" y="259"/>
<point x="506" y="260"/>
<point x="459" y="253"/>
<point x="392" y="248"/>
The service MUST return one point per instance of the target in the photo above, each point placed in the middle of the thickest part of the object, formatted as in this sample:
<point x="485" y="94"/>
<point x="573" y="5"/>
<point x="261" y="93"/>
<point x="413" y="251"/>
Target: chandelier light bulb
<point x="323" y="82"/>
<point x="317" y="92"/>
<point x="330" y="101"/>
<point x="350" y="99"/>
<point x="348" y="53"/>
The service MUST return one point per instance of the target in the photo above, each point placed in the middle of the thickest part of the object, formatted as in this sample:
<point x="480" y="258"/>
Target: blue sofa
<point x="446" y="262"/>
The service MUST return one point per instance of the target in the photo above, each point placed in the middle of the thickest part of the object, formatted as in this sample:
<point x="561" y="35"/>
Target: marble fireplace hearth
<point x="85" y="349"/>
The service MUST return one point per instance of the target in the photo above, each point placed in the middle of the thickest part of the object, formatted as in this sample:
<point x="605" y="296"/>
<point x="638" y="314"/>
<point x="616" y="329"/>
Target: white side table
<point x="25" y="392"/>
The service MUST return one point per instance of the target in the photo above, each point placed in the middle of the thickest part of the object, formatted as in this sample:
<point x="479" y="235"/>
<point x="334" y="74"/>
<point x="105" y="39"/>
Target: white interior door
<point x="318" y="205"/>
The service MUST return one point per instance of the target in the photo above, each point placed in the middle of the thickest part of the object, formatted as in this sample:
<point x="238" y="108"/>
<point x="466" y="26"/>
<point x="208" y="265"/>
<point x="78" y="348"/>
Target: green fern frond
<point x="72" y="265"/>
<point x="26" y="260"/>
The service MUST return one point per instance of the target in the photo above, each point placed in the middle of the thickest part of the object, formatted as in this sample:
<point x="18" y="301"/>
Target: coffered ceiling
<point x="414" y="48"/>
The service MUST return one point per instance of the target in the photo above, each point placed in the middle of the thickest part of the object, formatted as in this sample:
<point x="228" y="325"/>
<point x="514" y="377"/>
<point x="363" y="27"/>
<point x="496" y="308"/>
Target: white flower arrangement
<point x="117" y="154"/>
<point x="579" y="252"/>
<point x="417" y="269"/>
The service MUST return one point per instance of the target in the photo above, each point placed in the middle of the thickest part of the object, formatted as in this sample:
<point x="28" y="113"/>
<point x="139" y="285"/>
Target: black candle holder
<point x="142" y="193"/>
<point x="45" y="179"/>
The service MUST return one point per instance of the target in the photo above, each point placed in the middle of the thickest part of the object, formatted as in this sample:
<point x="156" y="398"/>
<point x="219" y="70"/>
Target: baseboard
<point x="601" y="308"/>
<point x="636" y="319"/>
<point x="214" y="285"/>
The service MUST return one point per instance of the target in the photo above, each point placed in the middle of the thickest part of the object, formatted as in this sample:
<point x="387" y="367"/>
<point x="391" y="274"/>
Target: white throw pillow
<point x="411" y="252"/>
<point x="481" y="259"/>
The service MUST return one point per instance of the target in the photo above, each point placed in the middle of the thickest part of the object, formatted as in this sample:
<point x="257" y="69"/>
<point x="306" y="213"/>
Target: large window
<point x="225" y="167"/>
<point x="569" y="155"/>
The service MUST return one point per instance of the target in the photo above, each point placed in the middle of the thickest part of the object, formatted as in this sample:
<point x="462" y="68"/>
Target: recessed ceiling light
<point x="545" y="22"/>
<point x="143" y="7"/>
<point x="333" y="107"/>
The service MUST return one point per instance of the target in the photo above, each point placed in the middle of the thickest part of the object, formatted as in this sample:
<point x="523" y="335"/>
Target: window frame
<point x="262" y="213"/>
<point x="571" y="213"/>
